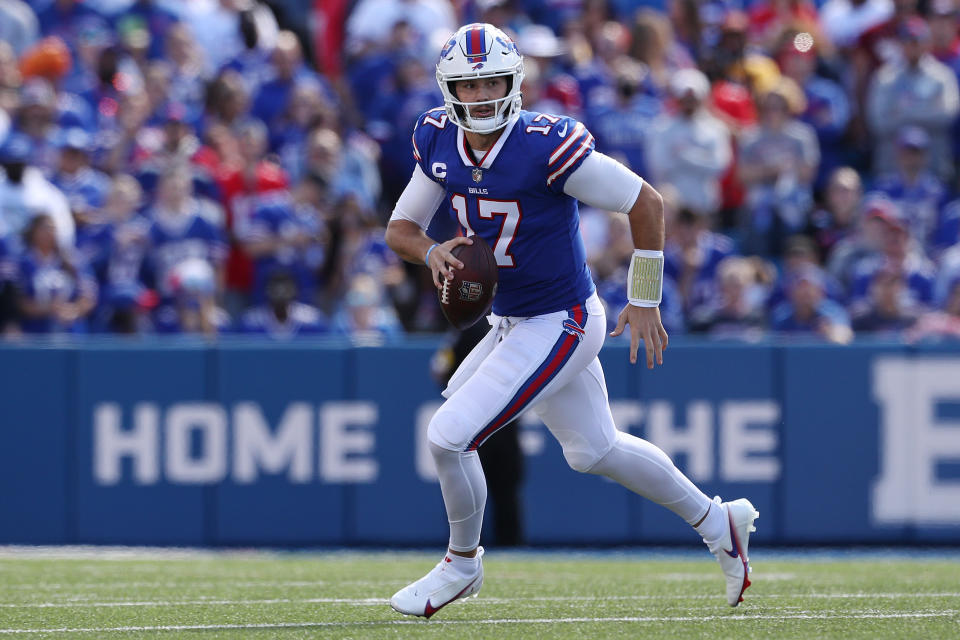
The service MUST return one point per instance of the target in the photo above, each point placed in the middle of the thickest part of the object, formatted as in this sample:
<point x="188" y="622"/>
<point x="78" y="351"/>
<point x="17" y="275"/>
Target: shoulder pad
<point x="428" y="124"/>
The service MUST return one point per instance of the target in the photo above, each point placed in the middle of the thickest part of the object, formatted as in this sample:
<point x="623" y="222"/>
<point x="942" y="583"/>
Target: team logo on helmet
<point x="447" y="48"/>
<point x="508" y="44"/>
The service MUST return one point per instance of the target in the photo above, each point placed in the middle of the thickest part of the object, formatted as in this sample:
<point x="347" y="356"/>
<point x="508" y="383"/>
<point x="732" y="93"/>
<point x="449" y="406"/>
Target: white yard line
<point x="86" y="552"/>
<point x="204" y="602"/>
<point x="181" y="584"/>
<point x="638" y="619"/>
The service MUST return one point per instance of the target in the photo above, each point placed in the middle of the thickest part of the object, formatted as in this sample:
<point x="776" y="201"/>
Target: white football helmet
<point x="480" y="51"/>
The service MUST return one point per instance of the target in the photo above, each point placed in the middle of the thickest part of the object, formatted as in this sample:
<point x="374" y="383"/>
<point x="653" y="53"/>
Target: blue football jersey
<point x="175" y="239"/>
<point x="513" y="198"/>
<point x="276" y="214"/>
<point x="45" y="279"/>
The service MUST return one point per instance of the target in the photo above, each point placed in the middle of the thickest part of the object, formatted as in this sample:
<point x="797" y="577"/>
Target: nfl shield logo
<point x="470" y="291"/>
<point x="477" y="174"/>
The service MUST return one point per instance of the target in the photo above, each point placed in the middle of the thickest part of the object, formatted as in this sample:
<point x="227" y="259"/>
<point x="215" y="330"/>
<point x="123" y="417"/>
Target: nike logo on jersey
<point x="562" y="132"/>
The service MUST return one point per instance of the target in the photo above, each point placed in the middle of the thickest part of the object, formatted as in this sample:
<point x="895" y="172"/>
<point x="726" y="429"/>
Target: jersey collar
<point x="487" y="160"/>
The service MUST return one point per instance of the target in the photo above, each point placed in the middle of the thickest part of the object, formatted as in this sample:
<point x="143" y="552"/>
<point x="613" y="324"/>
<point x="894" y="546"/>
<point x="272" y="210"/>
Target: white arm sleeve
<point x="419" y="200"/>
<point x="603" y="183"/>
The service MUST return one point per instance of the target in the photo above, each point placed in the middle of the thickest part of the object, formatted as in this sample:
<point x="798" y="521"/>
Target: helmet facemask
<point x="477" y="52"/>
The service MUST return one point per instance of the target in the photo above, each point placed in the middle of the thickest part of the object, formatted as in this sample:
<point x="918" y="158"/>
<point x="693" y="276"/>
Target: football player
<point x="513" y="178"/>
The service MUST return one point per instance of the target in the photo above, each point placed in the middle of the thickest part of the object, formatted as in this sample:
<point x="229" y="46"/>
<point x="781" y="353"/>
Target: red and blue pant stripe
<point x="559" y="355"/>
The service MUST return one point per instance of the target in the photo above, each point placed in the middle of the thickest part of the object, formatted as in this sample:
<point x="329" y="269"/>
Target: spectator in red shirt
<point x="241" y="187"/>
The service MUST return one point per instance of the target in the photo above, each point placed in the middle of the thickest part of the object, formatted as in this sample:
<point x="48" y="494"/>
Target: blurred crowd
<point x="228" y="166"/>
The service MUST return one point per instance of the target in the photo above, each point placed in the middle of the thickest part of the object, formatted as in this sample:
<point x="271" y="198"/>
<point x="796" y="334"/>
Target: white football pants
<point x="547" y="363"/>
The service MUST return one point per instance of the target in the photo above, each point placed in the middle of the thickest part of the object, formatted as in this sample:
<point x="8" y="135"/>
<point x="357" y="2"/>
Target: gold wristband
<point x="645" y="278"/>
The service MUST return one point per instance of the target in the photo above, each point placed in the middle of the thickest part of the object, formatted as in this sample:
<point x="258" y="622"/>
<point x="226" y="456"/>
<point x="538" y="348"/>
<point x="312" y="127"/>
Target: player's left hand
<point x="645" y="324"/>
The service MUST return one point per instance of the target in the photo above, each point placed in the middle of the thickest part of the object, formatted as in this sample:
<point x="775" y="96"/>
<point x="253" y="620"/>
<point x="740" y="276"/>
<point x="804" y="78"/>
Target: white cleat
<point x="437" y="589"/>
<point x="731" y="549"/>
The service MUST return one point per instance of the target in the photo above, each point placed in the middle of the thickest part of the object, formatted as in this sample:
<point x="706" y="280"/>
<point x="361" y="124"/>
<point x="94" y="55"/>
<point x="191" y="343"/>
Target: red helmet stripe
<point x="476" y="44"/>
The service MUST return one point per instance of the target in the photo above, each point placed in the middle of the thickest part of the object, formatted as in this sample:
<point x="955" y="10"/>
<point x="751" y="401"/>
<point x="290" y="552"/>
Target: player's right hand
<point x="646" y="326"/>
<point x="442" y="261"/>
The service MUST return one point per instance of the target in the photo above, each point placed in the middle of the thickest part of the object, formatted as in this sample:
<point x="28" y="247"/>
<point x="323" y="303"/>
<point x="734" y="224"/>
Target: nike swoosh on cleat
<point x="735" y="552"/>
<point x="429" y="609"/>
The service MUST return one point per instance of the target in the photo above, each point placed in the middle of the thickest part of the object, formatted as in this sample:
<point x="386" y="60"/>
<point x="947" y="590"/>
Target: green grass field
<point x="133" y="594"/>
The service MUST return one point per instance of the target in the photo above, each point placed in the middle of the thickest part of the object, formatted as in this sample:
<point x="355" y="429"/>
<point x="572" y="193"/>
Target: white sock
<point x="714" y="525"/>
<point x="645" y="469"/>
<point x="463" y="566"/>
<point x="464" y="495"/>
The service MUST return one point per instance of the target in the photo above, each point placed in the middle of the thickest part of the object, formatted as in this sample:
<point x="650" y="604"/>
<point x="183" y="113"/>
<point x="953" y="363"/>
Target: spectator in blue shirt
<point x="283" y="316"/>
<point x="888" y="310"/>
<point x="343" y="170"/>
<point x="393" y="118"/>
<point x="366" y="316"/>
<point x="801" y="253"/>
<point x="903" y="254"/>
<point x="253" y="61"/>
<point x="691" y="255"/>
<point x="655" y="45"/>
<point x="126" y="301"/>
<point x="735" y="312"/>
<point x="37" y="120"/>
<point x="917" y="191"/>
<point x="281" y="235"/>
<point x="553" y="13"/>
<point x="62" y="18"/>
<point x="621" y="117"/>
<point x="226" y="103"/>
<point x="372" y="73"/>
<point x="93" y="37"/>
<point x="608" y="258"/>
<point x="181" y="228"/>
<point x="836" y="219"/>
<point x="943" y="323"/>
<point x="273" y="98"/>
<point x="308" y="110"/>
<point x="191" y="307"/>
<point x="865" y="240"/>
<point x="156" y="19"/>
<point x="85" y="187"/>
<point x="56" y="295"/>
<point x="809" y="312"/>
<point x="187" y="82"/>
<point x="947" y="236"/>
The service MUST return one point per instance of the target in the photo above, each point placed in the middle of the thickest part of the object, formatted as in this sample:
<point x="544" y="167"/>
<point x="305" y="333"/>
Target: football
<point x="468" y="296"/>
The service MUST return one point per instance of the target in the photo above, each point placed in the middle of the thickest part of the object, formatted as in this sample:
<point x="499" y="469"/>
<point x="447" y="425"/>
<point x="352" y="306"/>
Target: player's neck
<point x="482" y="141"/>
